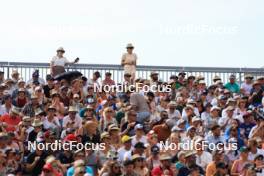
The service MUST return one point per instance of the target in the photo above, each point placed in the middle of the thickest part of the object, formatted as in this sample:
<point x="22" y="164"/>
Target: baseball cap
<point x="155" y="149"/>
<point x="125" y="139"/>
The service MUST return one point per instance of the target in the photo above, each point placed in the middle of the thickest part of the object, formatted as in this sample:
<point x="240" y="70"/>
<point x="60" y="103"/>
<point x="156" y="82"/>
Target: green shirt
<point x="232" y="87"/>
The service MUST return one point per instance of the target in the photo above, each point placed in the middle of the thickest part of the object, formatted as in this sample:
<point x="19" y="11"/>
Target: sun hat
<point x="136" y="156"/>
<point x="215" y="108"/>
<point x="248" y="76"/>
<point x="60" y="49"/>
<point x="216" y="78"/>
<point x="26" y="119"/>
<point x="164" y="156"/>
<point x="230" y="108"/>
<point x="37" y="123"/>
<point x="72" y="109"/>
<point x="15" y="110"/>
<point x="14" y="71"/>
<point x="154" y="73"/>
<point x="113" y="127"/>
<point x="195" y="119"/>
<point x="104" y="135"/>
<point x="181" y="153"/>
<point x="129" y="45"/>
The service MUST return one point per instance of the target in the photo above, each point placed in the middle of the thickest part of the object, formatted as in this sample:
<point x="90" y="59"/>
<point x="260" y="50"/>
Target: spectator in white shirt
<point x="247" y="85"/>
<point x="254" y="150"/>
<point x="173" y="113"/>
<point x="203" y="158"/>
<point x="73" y="120"/>
<point x="127" y="147"/>
<point x="95" y="79"/>
<point x="51" y="122"/>
<point x="225" y="122"/>
<point x="140" y="136"/>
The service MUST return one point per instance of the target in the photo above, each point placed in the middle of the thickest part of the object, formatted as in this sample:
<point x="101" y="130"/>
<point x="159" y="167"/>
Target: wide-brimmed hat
<point x="20" y="81"/>
<point x="89" y="107"/>
<point x="51" y="108"/>
<point x="15" y="110"/>
<point x="26" y="119"/>
<point x="256" y="83"/>
<point x="230" y="108"/>
<point x="154" y="73"/>
<point x="195" y="119"/>
<point x="248" y="76"/>
<point x="215" y="108"/>
<point x="216" y="78"/>
<point x="33" y="96"/>
<point x="164" y="156"/>
<point x="60" y="49"/>
<point x="37" y="123"/>
<point x="129" y="45"/>
<point x="113" y="127"/>
<point x="72" y="109"/>
<point x="172" y="104"/>
<point x="14" y="72"/>
<point x="104" y="135"/>
<point x="189" y="153"/>
<point x="137" y="156"/>
<point x="39" y="111"/>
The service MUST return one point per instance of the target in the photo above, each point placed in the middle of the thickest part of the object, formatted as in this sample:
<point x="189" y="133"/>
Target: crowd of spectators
<point x="132" y="126"/>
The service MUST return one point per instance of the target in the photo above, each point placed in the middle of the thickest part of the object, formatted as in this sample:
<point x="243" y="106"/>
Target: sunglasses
<point x="139" y="160"/>
<point x="90" y="110"/>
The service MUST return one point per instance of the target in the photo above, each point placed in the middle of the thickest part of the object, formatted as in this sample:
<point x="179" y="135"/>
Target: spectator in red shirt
<point x="164" y="168"/>
<point x="11" y="120"/>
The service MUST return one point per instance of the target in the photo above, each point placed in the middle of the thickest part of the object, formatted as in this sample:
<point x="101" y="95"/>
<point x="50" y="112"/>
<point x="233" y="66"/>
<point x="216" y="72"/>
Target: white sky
<point x="173" y="32"/>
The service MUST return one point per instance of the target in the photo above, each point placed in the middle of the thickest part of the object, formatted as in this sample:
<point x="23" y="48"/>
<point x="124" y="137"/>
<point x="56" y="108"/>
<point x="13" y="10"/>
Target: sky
<point x="210" y="33"/>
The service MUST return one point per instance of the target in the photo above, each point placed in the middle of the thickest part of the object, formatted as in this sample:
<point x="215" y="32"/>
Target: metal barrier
<point x="26" y="69"/>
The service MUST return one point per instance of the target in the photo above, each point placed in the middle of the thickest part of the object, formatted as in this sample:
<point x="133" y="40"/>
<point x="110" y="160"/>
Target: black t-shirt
<point x="47" y="89"/>
<point x="131" y="131"/>
<point x="32" y="136"/>
<point x="65" y="159"/>
<point x="184" y="171"/>
<point x="40" y="163"/>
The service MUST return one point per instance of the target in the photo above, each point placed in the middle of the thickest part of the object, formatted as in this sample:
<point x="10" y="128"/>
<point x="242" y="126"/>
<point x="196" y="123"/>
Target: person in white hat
<point x="73" y="120"/>
<point x="246" y="86"/>
<point x="58" y="62"/>
<point x="173" y="113"/>
<point x="129" y="61"/>
<point x="15" y="75"/>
